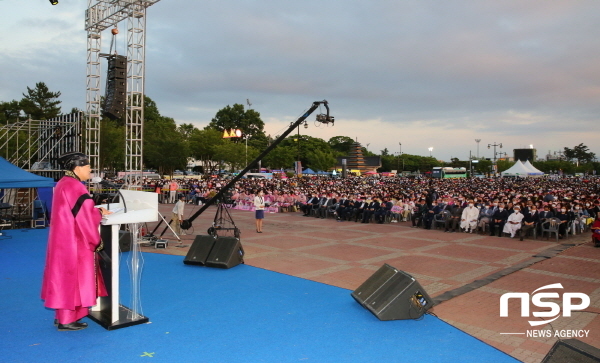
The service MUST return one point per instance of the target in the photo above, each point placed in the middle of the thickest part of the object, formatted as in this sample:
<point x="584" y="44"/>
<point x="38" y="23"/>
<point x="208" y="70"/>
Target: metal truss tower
<point x="36" y="145"/>
<point x="100" y="15"/>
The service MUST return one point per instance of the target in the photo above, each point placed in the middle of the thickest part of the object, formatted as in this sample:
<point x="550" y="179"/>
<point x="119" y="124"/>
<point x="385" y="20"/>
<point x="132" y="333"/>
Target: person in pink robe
<point x="72" y="279"/>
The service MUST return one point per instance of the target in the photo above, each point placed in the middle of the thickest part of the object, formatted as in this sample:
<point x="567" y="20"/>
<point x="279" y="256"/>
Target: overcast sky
<point x="422" y="73"/>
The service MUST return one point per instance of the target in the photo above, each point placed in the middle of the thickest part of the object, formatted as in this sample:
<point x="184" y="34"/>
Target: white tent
<point x="534" y="170"/>
<point x="518" y="169"/>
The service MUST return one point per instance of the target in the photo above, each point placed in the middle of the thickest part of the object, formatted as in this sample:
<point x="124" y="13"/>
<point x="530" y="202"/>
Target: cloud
<point x="427" y="73"/>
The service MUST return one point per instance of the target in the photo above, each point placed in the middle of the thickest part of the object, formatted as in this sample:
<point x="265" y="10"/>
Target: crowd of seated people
<point x="495" y="206"/>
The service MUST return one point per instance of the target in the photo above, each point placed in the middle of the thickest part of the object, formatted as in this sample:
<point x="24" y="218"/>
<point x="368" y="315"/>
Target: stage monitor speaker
<point x="226" y="253"/>
<point x="572" y="351"/>
<point x="199" y="250"/>
<point x="391" y="294"/>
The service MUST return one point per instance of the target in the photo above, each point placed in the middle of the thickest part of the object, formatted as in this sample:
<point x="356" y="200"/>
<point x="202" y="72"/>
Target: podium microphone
<point x="98" y="180"/>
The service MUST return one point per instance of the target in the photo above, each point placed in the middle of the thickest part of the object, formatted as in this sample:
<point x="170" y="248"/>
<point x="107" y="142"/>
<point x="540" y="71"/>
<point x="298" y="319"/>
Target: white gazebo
<point x="534" y="170"/>
<point x="518" y="169"/>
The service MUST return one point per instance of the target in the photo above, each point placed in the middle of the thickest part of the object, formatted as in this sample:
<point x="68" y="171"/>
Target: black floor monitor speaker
<point x="572" y="351"/>
<point x="199" y="250"/>
<point x="391" y="294"/>
<point x="221" y="252"/>
<point x="226" y="253"/>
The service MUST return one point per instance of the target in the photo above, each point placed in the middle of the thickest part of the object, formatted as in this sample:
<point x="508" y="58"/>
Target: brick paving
<point x="345" y="254"/>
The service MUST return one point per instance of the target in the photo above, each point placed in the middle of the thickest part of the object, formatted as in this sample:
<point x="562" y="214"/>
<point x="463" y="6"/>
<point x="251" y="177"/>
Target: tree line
<point x="169" y="146"/>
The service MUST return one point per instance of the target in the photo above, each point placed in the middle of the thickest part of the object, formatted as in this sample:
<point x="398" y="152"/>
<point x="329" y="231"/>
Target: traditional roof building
<point x="357" y="162"/>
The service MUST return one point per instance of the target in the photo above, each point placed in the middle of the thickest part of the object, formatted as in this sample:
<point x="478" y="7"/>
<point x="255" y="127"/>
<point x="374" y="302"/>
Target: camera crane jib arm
<point x="186" y="224"/>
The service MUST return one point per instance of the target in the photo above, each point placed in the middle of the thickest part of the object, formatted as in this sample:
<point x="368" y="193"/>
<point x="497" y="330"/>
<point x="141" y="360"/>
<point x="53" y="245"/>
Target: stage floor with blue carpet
<point x="200" y="314"/>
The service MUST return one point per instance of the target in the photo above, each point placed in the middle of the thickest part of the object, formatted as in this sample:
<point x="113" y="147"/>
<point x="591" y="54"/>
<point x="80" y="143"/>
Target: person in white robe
<point x="468" y="220"/>
<point x="513" y="224"/>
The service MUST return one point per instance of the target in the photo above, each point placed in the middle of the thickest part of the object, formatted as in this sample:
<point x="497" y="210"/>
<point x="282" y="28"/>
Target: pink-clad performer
<point x="72" y="279"/>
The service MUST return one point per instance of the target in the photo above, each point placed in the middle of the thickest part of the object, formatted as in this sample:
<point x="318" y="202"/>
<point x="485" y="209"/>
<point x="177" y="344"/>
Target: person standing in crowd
<point x="158" y="190"/>
<point x="173" y="186"/>
<point x="72" y="280"/>
<point x="259" y="207"/>
<point x="178" y="214"/>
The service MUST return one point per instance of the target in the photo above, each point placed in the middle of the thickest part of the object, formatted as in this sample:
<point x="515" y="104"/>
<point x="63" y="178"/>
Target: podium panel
<point x="135" y="207"/>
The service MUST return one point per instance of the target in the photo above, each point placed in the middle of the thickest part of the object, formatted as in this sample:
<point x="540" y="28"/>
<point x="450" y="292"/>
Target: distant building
<point x="357" y="162"/>
<point x="525" y="154"/>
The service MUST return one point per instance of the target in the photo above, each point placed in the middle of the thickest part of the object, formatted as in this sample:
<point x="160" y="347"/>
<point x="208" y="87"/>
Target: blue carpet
<point x="200" y="314"/>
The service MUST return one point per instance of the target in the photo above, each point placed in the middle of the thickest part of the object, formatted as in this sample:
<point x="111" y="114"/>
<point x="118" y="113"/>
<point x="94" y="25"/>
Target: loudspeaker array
<point x="116" y="87"/>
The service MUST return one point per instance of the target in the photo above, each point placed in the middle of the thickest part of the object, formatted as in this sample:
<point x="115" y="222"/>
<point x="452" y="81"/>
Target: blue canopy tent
<point x="308" y="171"/>
<point x="13" y="177"/>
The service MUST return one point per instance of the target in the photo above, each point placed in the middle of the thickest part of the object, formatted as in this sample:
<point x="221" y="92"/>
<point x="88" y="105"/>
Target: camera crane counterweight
<point x="323" y="118"/>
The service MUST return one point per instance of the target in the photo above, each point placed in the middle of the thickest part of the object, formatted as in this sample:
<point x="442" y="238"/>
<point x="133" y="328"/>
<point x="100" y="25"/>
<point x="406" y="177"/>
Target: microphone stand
<point x="113" y="186"/>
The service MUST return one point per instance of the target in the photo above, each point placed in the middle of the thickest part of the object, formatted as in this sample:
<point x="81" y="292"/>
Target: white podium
<point x="134" y="207"/>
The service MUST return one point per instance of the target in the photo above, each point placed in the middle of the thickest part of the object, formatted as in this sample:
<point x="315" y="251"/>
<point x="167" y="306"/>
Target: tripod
<point x="223" y="222"/>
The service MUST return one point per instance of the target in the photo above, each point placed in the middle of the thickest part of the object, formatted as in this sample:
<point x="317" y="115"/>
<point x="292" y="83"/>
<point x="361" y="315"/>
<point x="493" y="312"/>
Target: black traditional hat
<point x="70" y="160"/>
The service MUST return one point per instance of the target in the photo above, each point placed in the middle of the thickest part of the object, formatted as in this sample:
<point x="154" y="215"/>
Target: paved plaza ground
<point x="345" y="254"/>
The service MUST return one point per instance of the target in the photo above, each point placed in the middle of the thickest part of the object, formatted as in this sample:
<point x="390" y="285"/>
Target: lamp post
<point x="494" y="145"/>
<point x="246" y="137"/>
<point x="430" y="150"/>
<point x="477" y="141"/>
<point x="400" y="156"/>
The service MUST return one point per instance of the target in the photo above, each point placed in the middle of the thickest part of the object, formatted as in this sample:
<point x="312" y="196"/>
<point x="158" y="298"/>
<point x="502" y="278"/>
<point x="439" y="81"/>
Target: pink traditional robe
<point x="72" y="278"/>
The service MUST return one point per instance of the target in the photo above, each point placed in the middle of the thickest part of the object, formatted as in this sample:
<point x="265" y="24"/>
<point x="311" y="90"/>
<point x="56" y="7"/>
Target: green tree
<point x="10" y="112"/>
<point x="247" y="121"/>
<point x="482" y="166"/>
<point x="282" y="157"/>
<point x="314" y="152"/>
<point x="112" y="145"/>
<point x="203" y="145"/>
<point x="366" y="152"/>
<point x="186" y="130"/>
<point x="41" y="104"/>
<point x="319" y="159"/>
<point x="388" y="163"/>
<point x="579" y="152"/>
<point x="341" y="145"/>
<point x="233" y="154"/>
<point x="164" y="147"/>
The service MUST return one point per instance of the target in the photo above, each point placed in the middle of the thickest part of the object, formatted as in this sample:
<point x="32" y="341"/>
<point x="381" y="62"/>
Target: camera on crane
<point x="325" y="119"/>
